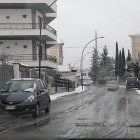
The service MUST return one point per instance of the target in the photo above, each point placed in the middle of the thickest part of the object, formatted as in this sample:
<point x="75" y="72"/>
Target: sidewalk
<point x="60" y="95"/>
<point x="59" y="90"/>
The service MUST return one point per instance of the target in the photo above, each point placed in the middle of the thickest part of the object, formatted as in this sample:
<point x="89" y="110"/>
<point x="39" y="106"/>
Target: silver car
<point x="112" y="85"/>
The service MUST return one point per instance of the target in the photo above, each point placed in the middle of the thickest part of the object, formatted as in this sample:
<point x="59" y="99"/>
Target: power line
<point x="98" y="47"/>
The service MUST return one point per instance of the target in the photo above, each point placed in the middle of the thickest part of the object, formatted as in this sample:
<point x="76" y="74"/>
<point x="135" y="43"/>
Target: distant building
<point x="57" y="52"/>
<point x="135" y="47"/>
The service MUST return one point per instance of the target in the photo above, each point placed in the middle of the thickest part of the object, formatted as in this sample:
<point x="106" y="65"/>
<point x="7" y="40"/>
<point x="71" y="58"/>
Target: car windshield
<point x="18" y="85"/>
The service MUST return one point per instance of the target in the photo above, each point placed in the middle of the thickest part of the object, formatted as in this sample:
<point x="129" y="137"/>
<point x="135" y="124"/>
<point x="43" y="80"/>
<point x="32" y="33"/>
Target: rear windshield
<point x="18" y="85"/>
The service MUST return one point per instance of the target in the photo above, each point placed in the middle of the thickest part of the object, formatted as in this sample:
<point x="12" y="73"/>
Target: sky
<point x="77" y="21"/>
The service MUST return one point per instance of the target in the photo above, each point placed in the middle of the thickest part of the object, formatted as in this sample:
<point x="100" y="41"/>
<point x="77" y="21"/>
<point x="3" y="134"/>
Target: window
<point x="8" y="47"/>
<point x="1" y="42"/>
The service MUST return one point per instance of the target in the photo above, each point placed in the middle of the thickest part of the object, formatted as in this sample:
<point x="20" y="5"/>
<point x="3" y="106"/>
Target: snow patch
<point x="60" y="95"/>
<point x="138" y="91"/>
<point x="122" y="86"/>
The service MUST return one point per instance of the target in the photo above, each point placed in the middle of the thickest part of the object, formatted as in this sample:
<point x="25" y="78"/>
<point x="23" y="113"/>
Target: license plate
<point x="12" y="107"/>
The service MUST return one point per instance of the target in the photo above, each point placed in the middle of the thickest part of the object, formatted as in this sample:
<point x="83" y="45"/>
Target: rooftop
<point x="63" y="68"/>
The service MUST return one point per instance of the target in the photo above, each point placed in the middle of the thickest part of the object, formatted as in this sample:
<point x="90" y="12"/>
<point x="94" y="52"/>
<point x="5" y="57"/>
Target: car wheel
<point x="36" y="112"/>
<point x="47" y="110"/>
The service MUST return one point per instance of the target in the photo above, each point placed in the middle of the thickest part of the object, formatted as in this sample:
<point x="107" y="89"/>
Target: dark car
<point x="25" y="95"/>
<point x="132" y="82"/>
<point x="102" y="81"/>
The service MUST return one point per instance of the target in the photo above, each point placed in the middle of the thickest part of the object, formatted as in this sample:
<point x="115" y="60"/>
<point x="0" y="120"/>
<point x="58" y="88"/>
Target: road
<point x="95" y="113"/>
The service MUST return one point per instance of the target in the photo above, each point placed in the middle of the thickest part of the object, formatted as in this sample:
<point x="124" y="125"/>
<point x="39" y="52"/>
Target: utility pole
<point x="40" y="50"/>
<point x="96" y="47"/>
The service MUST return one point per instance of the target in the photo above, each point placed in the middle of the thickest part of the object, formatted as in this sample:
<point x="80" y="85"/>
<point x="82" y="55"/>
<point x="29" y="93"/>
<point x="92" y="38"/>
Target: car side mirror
<point x="39" y="91"/>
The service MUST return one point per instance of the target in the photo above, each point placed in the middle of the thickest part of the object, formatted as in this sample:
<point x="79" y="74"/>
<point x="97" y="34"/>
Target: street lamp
<point x="81" y="62"/>
<point x="40" y="49"/>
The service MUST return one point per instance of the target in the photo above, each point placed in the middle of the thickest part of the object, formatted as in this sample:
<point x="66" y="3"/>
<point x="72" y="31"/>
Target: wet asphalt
<point x="95" y="113"/>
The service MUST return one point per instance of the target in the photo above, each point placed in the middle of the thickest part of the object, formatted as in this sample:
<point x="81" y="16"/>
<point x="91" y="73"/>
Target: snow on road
<point x="60" y="95"/>
<point x="138" y="91"/>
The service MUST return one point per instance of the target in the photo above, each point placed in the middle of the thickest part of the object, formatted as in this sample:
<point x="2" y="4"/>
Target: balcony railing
<point x="27" y="57"/>
<point x="27" y="26"/>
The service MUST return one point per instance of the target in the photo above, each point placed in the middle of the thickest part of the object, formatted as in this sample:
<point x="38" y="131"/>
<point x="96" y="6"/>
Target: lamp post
<point x="40" y="50"/>
<point x="81" y="62"/>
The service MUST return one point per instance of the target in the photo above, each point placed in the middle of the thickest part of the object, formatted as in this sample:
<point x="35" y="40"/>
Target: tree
<point x="120" y="63"/>
<point x="95" y="66"/>
<point x="123" y="64"/>
<point x="136" y="69"/>
<point x="117" y="61"/>
<point x="128" y="56"/>
<point x="104" y="57"/>
<point x="106" y="64"/>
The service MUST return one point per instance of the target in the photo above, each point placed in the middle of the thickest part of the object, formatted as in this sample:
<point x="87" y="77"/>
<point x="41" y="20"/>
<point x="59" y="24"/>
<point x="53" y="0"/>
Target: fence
<point x="27" y="26"/>
<point x="28" y="57"/>
<point x="6" y="74"/>
<point x="59" y="82"/>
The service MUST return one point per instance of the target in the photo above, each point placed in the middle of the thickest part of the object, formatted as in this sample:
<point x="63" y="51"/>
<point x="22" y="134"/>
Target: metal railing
<point x="27" y="57"/>
<point x="27" y="26"/>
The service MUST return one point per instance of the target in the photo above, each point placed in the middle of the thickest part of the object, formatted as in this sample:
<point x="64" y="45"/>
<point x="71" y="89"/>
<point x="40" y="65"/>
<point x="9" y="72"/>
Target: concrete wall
<point x="15" y="16"/>
<point x="15" y="47"/>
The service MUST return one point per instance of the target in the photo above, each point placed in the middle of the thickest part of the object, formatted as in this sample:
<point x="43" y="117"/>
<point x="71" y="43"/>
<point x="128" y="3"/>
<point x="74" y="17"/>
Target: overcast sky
<point x="77" y="21"/>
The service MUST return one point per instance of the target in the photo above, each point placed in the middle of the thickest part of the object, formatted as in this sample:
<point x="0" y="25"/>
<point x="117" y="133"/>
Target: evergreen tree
<point x="120" y="63"/>
<point x="123" y="65"/>
<point x="95" y="66"/>
<point x="104" y="57"/>
<point x="106" y="64"/>
<point x="117" y="61"/>
<point x="128" y="56"/>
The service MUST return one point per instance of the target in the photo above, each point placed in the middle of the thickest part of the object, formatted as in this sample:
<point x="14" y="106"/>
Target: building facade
<point x="24" y="29"/>
<point x="57" y="52"/>
<point x="135" y="47"/>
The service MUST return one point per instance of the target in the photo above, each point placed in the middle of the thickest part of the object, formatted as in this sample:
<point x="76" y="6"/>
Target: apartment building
<point x="135" y="47"/>
<point x="24" y="29"/>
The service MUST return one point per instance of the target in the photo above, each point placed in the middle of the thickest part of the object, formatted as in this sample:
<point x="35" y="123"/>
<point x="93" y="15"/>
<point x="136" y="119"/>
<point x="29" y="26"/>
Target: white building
<point x="20" y="33"/>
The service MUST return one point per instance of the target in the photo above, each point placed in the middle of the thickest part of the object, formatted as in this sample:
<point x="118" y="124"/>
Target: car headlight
<point x="30" y="98"/>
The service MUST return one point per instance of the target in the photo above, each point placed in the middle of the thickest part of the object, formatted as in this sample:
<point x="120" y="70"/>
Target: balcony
<point x="43" y="6"/>
<point x="27" y="29"/>
<point x="31" y="60"/>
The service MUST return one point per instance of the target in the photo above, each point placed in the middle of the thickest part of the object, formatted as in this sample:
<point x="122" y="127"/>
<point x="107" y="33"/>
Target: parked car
<point x="132" y="82"/>
<point x="102" y="81"/>
<point x="112" y="85"/>
<point x="25" y="95"/>
<point x="87" y="82"/>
